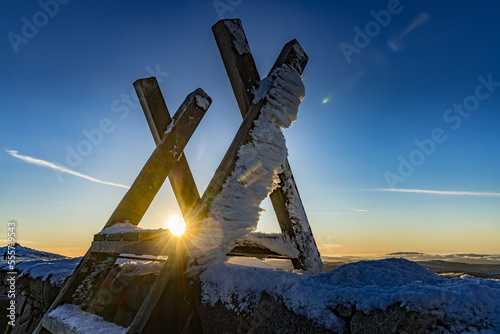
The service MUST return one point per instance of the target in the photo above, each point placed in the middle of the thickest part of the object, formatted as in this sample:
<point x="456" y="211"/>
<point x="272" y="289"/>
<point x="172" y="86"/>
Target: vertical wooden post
<point x="244" y="77"/>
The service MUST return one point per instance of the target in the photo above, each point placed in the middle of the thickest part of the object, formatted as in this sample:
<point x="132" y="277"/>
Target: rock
<point x="4" y="304"/>
<point x="219" y="320"/>
<point x="395" y="319"/>
<point x="272" y="316"/>
<point x="344" y="311"/>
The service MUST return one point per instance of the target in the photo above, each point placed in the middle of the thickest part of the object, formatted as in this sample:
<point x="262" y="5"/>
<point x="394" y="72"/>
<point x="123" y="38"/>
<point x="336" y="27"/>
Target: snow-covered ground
<point x="465" y="304"/>
<point x="37" y="264"/>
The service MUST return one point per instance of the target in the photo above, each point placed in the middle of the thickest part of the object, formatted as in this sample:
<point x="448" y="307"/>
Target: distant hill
<point x="25" y="253"/>
<point x="38" y="264"/>
<point x="451" y="265"/>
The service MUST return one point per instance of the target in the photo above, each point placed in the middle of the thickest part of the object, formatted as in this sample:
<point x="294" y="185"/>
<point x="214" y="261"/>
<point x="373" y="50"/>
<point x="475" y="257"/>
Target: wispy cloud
<point x="327" y="213"/>
<point x="359" y="210"/>
<point x="442" y="192"/>
<point x="61" y="169"/>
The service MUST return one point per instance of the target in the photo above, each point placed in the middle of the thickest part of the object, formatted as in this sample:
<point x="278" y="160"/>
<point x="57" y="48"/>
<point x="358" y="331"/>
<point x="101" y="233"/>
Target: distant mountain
<point x="25" y="253"/>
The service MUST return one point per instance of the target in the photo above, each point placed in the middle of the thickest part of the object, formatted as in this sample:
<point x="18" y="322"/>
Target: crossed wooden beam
<point x="171" y="135"/>
<point x="244" y="77"/>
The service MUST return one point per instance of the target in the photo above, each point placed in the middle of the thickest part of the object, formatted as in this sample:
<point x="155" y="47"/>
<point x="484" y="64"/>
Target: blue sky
<point x="360" y="119"/>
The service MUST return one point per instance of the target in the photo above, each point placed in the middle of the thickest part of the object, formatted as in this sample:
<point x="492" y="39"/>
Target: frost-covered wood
<point x="140" y="195"/>
<point x="244" y="77"/>
<point x="158" y="117"/>
<point x="240" y="67"/>
<point x="248" y="171"/>
<point x="134" y="243"/>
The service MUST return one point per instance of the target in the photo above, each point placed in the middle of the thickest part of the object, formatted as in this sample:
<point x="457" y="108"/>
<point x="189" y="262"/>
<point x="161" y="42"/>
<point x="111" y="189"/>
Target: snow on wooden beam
<point x="239" y="63"/>
<point x="244" y="77"/>
<point x="70" y="319"/>
<point x="229" y="208"/>
<point x="158" y="242"/>
<point x="158" y="117"/>
<point x="136" y="201"/>
<point x="269" y="243"/>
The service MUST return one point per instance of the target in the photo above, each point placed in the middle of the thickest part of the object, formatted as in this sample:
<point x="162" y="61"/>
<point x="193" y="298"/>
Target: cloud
<point x="442" y="192"/>
<point x="359" y="210"/>
<point x="50" y="165"/>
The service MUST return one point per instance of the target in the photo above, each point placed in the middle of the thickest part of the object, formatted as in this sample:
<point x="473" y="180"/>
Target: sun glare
<point x="176" y="225"/>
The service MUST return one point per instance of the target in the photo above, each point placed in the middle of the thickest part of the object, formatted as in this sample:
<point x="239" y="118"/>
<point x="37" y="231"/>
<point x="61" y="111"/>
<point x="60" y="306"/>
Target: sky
<point x="396" y="146"/>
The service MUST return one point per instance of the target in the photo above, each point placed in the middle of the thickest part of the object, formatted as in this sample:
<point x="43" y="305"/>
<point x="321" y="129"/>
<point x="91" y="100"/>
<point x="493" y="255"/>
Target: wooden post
<point x="136" y="201"/>
<point x="158" y="118"/>
<point x="244" y="77"/>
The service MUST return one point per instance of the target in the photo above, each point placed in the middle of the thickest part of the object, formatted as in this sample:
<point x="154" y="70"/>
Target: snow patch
<point x="120" y="228"/>
<point x="124" y="228"/>
<point x="239" y="41"/>
<point x="202" y="102"/>
<point x="169" y="128"/>
<point x="83" y="322"/>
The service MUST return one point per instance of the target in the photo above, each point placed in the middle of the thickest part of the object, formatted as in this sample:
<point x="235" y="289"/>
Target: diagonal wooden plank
<point x="152" y="297"/>
<point x="140" y="195"/>
<point x="242" y="137"/>
<point x="158" y="117"/>
<point x="243" y="76"/>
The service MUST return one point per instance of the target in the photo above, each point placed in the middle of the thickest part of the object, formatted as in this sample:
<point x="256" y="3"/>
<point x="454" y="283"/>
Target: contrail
<point x="442" y="192"/>
<point x="50" y="165"/>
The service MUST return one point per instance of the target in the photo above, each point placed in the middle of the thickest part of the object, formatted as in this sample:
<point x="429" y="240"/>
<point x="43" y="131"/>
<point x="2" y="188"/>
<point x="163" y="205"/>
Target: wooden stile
<point x="170" y="300"/>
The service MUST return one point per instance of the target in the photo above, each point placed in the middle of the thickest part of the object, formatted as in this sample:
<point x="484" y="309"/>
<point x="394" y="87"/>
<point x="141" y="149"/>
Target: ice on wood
<point x="239" y="41"/>
<point x="235" y="211"/>
<point x="202" y="102"/>
<point x="305" y="240"/>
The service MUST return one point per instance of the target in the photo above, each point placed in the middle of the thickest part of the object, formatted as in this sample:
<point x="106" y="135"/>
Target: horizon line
<point x="441" y="192"/>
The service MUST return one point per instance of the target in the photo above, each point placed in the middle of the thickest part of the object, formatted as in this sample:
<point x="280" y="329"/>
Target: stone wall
<point x="34" y="297"/>
<point x="272" y="316"/>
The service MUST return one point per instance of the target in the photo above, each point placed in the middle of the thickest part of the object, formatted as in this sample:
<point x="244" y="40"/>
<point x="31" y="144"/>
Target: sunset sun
<point x="176" y="225"/>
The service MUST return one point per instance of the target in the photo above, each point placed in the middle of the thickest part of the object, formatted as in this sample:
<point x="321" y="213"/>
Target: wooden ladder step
<point x="70" y="319"/>
<point x="151" y="242"/>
